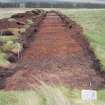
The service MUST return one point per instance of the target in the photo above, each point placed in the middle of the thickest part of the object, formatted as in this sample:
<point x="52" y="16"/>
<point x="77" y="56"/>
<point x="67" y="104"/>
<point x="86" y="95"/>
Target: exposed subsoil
<point x="58" y="54"/>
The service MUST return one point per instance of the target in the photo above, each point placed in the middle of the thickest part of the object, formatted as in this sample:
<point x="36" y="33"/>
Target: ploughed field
<point x="50" y="49"/>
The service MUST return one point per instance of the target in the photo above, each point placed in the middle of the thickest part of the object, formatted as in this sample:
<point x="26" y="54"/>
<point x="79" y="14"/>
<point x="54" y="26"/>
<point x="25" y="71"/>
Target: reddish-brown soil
<point x="55" y="56"/>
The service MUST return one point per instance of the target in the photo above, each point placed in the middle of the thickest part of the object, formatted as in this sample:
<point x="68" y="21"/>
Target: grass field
<point x="93" y="22"/>
<point x="7" y="12"/>
<point x="48" y="95"/>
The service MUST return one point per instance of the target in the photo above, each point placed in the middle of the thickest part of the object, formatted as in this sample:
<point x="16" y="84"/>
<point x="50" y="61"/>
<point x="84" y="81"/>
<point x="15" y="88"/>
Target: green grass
<point x="3" y="58"/>
<point x="7" y="47"/>
<point x="14" y="47"/>
<point x="8" y="38"/>
<point x="93" y="23"/>
<point x="48" y="95"/>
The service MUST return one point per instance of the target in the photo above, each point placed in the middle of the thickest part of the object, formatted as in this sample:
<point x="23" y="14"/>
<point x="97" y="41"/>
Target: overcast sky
<point x="91" y="1"/>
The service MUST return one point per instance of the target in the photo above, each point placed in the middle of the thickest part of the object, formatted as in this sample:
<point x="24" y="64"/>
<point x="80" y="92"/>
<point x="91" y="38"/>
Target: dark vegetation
<point x="52" y="4"/>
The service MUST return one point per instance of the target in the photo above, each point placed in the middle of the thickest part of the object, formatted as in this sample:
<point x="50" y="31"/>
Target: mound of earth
<point x="57" y="54"/>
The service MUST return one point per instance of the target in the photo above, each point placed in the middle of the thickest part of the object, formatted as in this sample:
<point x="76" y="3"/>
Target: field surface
<point x="58" y="56"/>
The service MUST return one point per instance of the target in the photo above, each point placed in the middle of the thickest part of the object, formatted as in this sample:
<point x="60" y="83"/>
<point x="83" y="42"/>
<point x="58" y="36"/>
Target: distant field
<point x="7" y="12"/>
<point x="93" y="22"/>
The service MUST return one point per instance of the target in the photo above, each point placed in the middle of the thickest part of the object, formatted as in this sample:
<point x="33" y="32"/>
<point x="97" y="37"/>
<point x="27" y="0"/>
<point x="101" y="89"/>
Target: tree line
<point x="51" y="5"/>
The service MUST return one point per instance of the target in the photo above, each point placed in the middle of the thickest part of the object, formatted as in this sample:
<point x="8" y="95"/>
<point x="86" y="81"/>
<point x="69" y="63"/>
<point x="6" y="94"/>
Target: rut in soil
<point x="54" y="57"/>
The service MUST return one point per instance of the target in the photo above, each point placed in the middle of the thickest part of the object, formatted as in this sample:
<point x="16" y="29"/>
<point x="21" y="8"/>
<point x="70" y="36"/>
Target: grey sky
<point x="91" y="1"/>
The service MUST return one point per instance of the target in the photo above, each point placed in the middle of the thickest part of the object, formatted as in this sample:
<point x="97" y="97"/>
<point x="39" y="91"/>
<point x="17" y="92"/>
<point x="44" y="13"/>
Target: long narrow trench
<point x="54" y="57"/>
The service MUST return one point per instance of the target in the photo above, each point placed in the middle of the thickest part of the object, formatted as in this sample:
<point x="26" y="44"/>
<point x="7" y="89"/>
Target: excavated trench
<point x="57" y="54"/>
